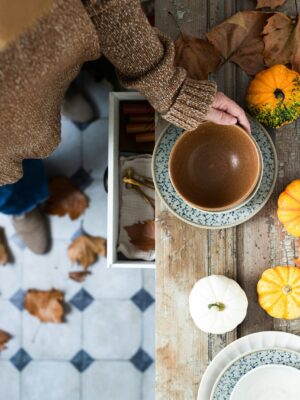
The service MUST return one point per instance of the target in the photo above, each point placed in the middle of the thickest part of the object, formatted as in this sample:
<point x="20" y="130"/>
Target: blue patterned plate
<point x="209" y="220"/>
<point x="229" y="377"/>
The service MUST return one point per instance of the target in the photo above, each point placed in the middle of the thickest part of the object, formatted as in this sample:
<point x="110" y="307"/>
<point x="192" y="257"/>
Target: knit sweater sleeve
<point x="144" y="59"/>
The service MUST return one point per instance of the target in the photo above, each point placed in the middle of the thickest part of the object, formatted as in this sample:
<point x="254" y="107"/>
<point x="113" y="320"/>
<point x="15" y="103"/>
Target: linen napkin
<point x="133" y="208"/>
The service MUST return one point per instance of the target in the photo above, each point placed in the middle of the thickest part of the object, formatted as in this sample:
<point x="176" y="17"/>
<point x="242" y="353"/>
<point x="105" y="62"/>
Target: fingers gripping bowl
<point x="215" y="167"/>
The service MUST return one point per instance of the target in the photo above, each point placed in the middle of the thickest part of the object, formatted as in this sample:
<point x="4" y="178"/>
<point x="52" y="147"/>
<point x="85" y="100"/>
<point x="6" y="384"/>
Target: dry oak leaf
<point x="79" y="276"/>
<point x="47" y="306"/>
<point x="65" y="198"/>
<point x="278" y="40"/>
<point x="270" y="3"/>
<point x="239" y="39"/>
<point x="142" y="235"/>
<point x="85" y="249"/>
<point x="197" y="56"/>
<point x="4" y="338"/>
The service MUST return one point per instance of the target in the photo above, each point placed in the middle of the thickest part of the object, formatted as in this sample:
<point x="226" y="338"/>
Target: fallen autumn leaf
<point x="79" y="276"/>
<point x="85" y="249"/>
<point x="47" y="306"/>
<point x="4" y="338"/>
<point x="65" y="198"/>
<point x="142" y="235"/>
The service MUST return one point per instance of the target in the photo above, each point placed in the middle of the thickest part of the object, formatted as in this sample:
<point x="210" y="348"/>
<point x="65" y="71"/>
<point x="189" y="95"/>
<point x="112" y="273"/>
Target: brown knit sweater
<point x="41" y="53"/>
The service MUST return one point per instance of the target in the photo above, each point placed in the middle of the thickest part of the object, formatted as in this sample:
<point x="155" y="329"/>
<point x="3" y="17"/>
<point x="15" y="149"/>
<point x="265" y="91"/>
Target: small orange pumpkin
<point x="288" y="211"/>
<point x="273" y="96"/>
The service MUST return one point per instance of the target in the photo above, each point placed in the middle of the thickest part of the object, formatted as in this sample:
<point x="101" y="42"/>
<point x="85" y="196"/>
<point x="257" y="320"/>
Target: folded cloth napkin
<point x="133" y="208"/>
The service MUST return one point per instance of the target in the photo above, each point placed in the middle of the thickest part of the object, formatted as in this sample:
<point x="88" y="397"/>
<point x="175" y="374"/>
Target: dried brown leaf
<point x="295" y="60"/>
<point x="85" y="249"/>
<point x="270" y="3"/>
<point x="197" y="56"/>
<point x="239" y="39"/>
<point x="65" y="198"/>
<point x="4" y="250"/>
<point x="79" y="276"/>
<point x="278" y="40"/>
<point x="142" y="235"/>
<point x="4" y="338"/>
<point x="47" y="306"/>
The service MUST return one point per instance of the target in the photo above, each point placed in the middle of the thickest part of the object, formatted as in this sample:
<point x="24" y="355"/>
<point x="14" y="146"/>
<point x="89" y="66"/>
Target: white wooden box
<point x="113" y="184"/>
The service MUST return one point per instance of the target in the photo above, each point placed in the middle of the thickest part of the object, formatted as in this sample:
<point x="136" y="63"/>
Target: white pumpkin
<point x="217" y="304"/>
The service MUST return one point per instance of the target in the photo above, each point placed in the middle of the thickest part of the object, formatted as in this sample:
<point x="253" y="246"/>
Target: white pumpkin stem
<point x="220" y="306"/>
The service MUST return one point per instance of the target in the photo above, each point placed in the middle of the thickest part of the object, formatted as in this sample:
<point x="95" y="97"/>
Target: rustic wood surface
<point x="185" y="253"/>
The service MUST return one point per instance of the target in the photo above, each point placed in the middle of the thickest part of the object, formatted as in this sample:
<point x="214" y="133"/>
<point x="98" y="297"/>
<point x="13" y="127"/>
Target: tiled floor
<point x="105" y="350"/>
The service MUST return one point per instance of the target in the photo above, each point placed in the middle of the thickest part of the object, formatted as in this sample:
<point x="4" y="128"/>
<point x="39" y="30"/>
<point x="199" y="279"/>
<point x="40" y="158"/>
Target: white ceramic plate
<point x="255" y="341"/>
<point x="239" y="367"/>
<point x="210" y="220"/>
<point x="270" y="382"/>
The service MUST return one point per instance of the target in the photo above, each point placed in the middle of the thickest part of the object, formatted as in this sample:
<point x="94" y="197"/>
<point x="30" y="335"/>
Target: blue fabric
<point x="31" y="190"/>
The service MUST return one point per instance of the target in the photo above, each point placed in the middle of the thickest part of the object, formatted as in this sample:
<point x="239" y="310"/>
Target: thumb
<point x="221" y="117"/>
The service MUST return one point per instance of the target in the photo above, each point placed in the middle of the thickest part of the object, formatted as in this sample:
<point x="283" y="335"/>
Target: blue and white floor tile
<point x="105" y="349"/>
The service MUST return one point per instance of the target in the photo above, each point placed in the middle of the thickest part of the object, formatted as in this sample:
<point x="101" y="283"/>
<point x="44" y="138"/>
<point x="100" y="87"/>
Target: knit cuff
<point x="192" y="104"/>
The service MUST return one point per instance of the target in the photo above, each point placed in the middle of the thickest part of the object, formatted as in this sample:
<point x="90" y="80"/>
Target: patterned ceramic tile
<point x="9" y="381"/>
<point x="95" y="148"/>
<point x="149" y="281"/>
<point x="112" y="330"/>
<point x="62" y="228"/>
<point x="141" y="360"/>
<point x="115" y="284"/>
<point x="21" y="359"/>
<point x="142" y="299"/>
<point x="50" y="271"/>
<point x="11" y="277"/>
<point x="94" y="220"/>
<point x="52" y="341"/>
<point x="214" y="220"/>
<point x="228" y="378"/>
<point x="50" y="380"/>
<point x="17" y="299"/>
<point x="111" y="380"/>
<point x="82" y="300"/>
<point x="148" y="330"/>
<point x="82" y="179"/>
<point x="10" y="322"/>
<point x="148" y="392"/>
<point x="82" y="360"/>
<point x="66" y="159"/>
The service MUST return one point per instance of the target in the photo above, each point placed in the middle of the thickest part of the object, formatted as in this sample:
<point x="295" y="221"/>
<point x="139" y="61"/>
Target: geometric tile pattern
<point x="21" y="359"/>
<point x="82" y="360"/>
<point x="141" y="360"/>
<point x="142" y="299"/>
<point x="18" y="299"/>
<point x="81" y="178"/>
<point x="82" y="300"/>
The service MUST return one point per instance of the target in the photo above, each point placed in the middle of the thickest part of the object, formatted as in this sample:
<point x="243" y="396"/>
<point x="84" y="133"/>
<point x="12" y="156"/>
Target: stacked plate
<point x="214" y="220"/>
<point x="261" y="366"/>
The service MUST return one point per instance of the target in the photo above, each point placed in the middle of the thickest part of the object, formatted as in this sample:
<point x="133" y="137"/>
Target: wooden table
<point x="185" y="253"/>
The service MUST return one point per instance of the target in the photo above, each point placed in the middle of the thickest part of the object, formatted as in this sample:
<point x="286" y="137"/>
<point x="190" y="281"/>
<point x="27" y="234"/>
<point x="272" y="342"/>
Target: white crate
<point x="113" y="184"/>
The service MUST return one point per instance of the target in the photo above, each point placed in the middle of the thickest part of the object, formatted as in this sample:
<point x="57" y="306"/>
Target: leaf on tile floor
<point x="47" y="306"/>
<point x="79" y="276"/>
<point x="85" y="250"/>
<point x="4" y="338"/>
<point x="65" y="198"/>
<point x="190" y="53"/>
<point x="4" y="250"/>
<point x="270" y="3"/>
<point x="239" y="39"/>
<point x="142" y="235"/>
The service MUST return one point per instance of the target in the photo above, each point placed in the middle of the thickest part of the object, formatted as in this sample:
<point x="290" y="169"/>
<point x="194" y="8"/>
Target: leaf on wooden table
<point x="278" y="40"/>
<point x="197" y="56"/>
<point x="47" y="306"/>
<point x="85" y="249"/>
<point x="239" y="39"/>
<point x="4" y="338"/>
<point x="270" y="3"/>
<point x="142" y="235"/>
<point x="79" y="276"/>
<point x="65" y="198"/>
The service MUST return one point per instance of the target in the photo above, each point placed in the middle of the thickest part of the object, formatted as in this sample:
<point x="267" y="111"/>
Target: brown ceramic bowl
<point x="215" y="167"/>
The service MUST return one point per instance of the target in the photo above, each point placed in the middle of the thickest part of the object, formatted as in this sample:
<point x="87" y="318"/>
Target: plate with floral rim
<point x="242" y="365"/>
<point x="209" y="220"/>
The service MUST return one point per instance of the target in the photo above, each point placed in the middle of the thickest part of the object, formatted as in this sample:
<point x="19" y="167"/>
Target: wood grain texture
<point x="185" y="253"/>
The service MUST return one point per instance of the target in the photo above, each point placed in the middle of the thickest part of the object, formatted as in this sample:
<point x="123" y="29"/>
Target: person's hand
<point x="225" y="111"/>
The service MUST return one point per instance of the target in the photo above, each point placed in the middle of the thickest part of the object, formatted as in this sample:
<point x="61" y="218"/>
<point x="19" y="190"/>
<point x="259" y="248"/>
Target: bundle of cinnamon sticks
<point x="140" y="121"/>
